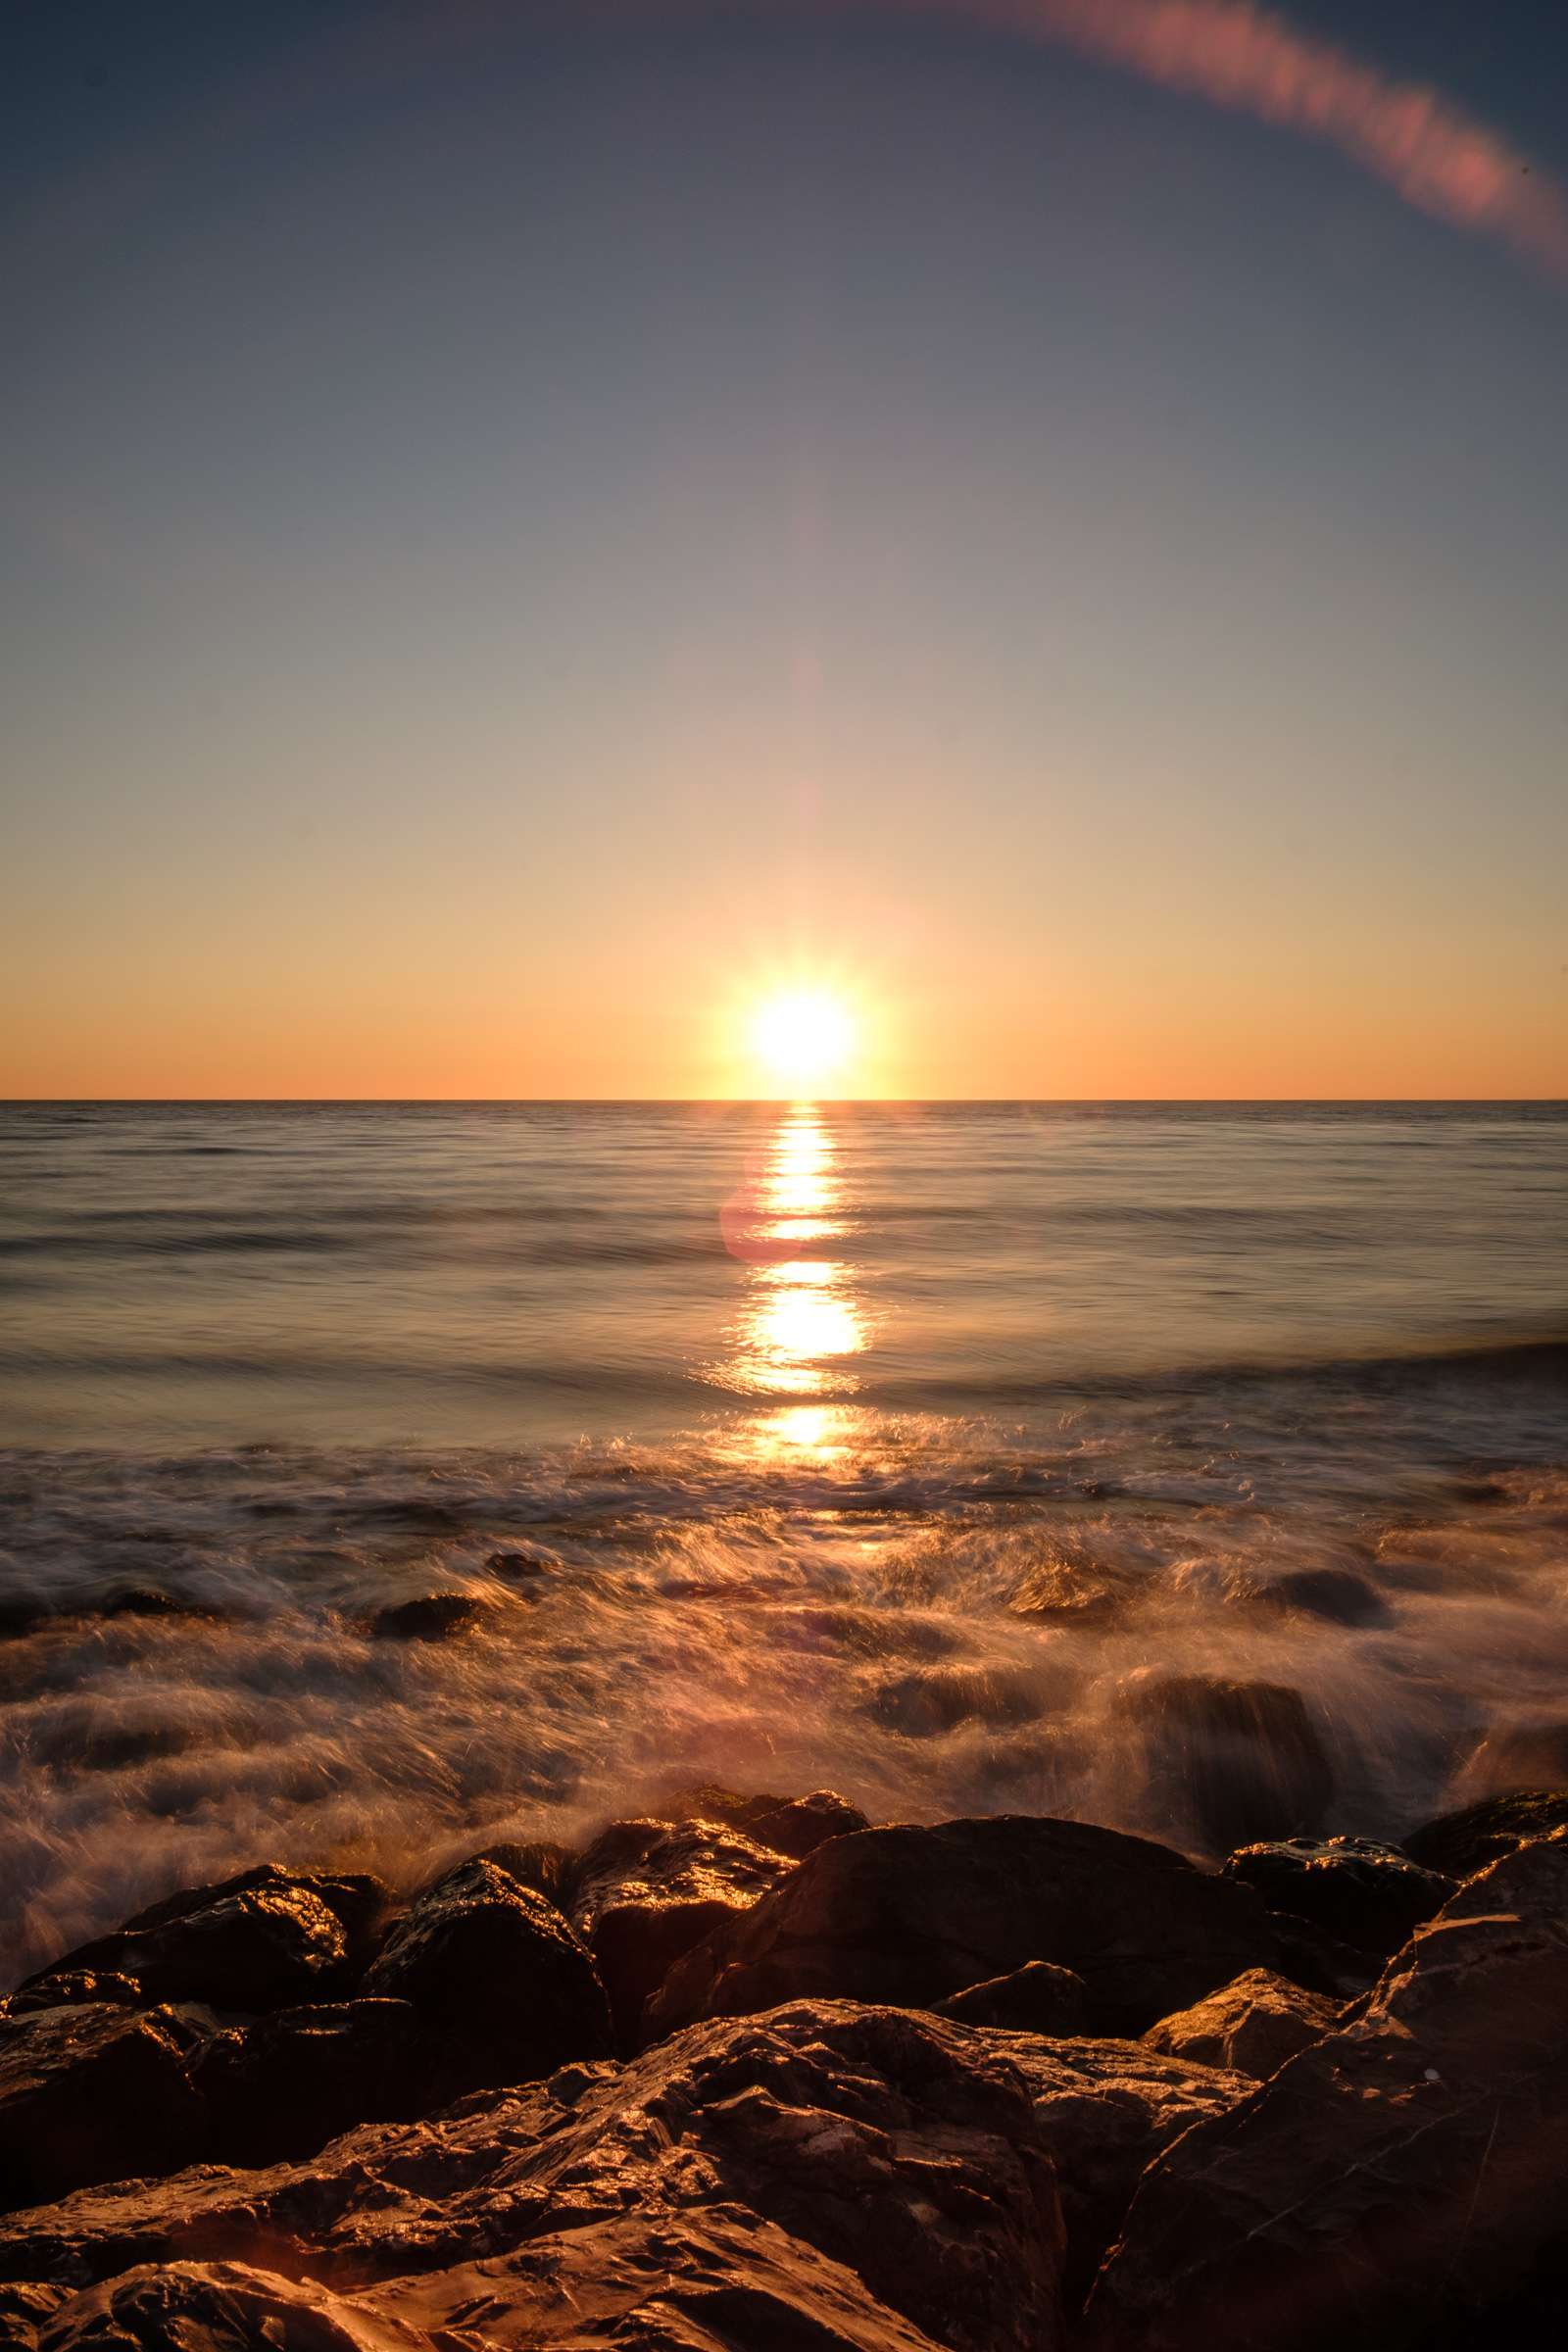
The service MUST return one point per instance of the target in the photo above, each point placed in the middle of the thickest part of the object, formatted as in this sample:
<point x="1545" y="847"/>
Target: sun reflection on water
<point x="802" y="1320"/>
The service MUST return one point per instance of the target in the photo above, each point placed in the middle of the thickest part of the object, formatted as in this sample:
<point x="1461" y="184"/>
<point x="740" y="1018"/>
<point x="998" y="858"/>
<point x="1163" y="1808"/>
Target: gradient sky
<point x="524" y="524"/>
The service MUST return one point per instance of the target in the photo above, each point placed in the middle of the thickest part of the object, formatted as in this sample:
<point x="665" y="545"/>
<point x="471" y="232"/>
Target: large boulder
<point x="1368" y="1895"/>
<point x="1235" y="1761"/>
<point x="295" y="2079"/>
<point x="501" y="1984"/>
<point x="1395" y="2181"/>
<point x="94" y="2093"/>
<point x="646" y="1891"/>
<point x="911" y="1915"/>
<point x="1479" y="1835"/>
<point x="1250" y="2027"/>
<point x="265" y="1939"/>
<point x="828" y="2178"/>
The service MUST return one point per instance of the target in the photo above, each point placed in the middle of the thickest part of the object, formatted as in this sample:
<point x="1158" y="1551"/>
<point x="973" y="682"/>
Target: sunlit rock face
<point x="826" y="2176"/>
<point x="1252" y="2026"/>
<point x="1402" y="2172"/>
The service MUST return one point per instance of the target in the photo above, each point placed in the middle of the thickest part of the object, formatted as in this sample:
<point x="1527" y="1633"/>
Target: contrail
<point x="1236" y="54"/>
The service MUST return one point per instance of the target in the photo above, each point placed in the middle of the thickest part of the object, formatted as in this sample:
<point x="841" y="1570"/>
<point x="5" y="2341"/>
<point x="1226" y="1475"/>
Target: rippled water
<point x="888" y="1447"/>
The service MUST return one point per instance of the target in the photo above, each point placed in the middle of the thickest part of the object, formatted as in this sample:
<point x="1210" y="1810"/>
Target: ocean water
<point x="895" y="1448"/>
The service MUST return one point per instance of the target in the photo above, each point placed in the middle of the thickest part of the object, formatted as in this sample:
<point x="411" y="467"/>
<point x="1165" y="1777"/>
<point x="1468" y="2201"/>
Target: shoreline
<point x="747" y="2051"/>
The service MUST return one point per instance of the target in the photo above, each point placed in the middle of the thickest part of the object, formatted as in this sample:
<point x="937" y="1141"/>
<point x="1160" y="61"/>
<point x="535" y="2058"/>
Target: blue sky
<point x="524" y="525"/>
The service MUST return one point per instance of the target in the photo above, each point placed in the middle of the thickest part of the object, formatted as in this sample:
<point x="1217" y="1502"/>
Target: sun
<point x="803" y="1037"/>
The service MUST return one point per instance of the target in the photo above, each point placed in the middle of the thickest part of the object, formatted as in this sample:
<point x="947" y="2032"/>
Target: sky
<point x="527" y="529"/>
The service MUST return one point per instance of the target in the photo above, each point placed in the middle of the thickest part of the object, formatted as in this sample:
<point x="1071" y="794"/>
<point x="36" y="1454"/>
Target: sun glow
<point x="802" y="1038"/>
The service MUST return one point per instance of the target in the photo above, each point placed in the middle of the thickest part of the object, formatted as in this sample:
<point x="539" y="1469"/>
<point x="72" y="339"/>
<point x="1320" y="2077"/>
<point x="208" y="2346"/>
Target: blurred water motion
<point x="886" y="1448"/>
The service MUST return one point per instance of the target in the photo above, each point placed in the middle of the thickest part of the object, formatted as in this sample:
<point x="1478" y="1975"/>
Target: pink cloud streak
<point x="1236" y="54"/>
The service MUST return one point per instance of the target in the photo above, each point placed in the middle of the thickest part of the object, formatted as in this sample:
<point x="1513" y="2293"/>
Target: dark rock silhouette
<point x="1035" y="1998"/>
<point x="1398" y="2177"/>
<point x="1479" y="1835"/>
<point x="1367" y="1894"/>
<point x="500" y="1984"/>
<point x="265" y="1939"/>
<point x="911" y="1915"/>
<point x="1242" y="1760"/>
<point x="93" y="2092"/>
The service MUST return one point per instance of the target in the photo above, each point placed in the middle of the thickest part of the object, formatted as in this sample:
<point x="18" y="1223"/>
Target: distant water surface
<point x="880" y="1446"/>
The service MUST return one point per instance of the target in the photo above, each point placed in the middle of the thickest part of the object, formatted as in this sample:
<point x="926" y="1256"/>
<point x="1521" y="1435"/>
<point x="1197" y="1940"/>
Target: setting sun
<point x="803" y="1037"/>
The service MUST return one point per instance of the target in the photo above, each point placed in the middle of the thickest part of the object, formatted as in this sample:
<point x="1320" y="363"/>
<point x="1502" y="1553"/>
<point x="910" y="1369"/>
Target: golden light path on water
<point x="800" y="1320"/>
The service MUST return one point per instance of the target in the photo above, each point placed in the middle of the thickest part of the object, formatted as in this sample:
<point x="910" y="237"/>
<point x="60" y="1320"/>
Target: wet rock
<point x="536" y="1862"/>
<point x="1514" y="1758"/>
<point x="1367" y="1895"/>
<point x="1035" y="1998"/>
<point x="149" y="1600"/>
<point x="498" y="1978"/>
<point x="431" y="1617"/>
<point x="646" y="1891"/>
<point x="791" y="1825"/>
<point x="265" y="1939"/>
<point x="1477" y="1835"/>
<point x="938" y="1698"/>
<point x="825" y="2179"/>
<point x="94" y="2093"/>
<point x="1400" y="2178"/>
<point x="516" y="1566"/>
<point x="295" y="2079"/>
<point x="1250" y="2027"/>
<point x="74" y="1989"/>
<point x="1243" y="1760"/>
<point x="1068" y="1594"/>
<point x="1319" y="1961"/>
<point x="19" y="1617"/>
<point x="1338" y="1594"/>
<point x="912" y="1914"/>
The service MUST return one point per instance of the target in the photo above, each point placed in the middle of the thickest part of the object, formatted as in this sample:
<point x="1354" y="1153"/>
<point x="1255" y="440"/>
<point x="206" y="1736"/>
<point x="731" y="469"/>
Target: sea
<point x="886" y="1448"/>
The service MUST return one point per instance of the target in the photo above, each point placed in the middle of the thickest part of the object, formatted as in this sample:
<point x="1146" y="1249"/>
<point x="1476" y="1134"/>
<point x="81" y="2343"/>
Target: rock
<point x="1366" y="1894"/>
<point x="265" y="1939"/>
<point x="1068" y="1594"/>
<point x="537" y="1863"/>
<point x="1250" y="2027"/>
<point x="646" y="1891"/>
<point x="75" y="1987"/>
<point x="149" y="1600"/>
<point x="94" y="2093"/>
<point x="825" y="2180"/>
<point x="795" y="1826"/>
<point x="911" y="1915"/>
<point x="1035" y="1998"/>
<point x="1473" y="1838"/>
<point x="1241" y="1761"/>
<point x="1318" y="1962"/>
<point x="513" y="1564"/>
<point x="938" y="1698"/>
<point x="498" y="1978"/>
<point x="1516" y="1757"/>
<point x="1105" y="2110"/>
<point x="1400" y="2178"/>
<point x="1336" y="1593"/>
<point x="297" y="2079"/>
<point x="432" y="1617"/>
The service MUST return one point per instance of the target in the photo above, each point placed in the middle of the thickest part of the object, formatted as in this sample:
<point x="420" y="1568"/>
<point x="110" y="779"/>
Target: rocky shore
<point x="755" y="2076"/>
